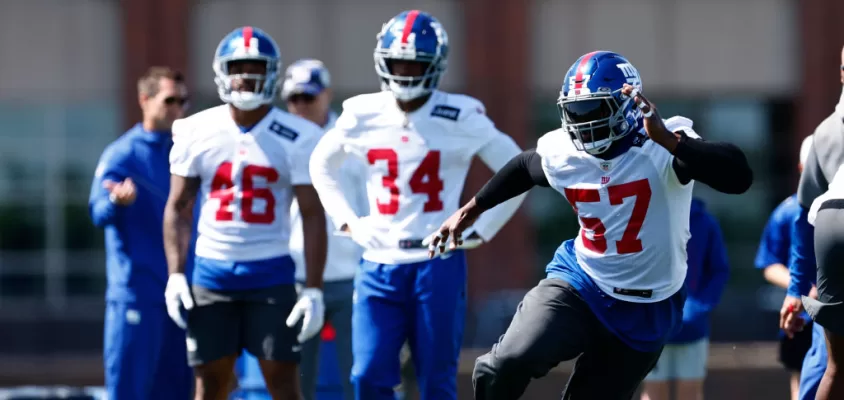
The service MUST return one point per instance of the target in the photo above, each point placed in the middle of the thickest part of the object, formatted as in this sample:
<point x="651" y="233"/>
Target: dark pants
<point x="829" y="253"/>
<point x="554" y="324"/>
<point x="338" y="311"/>
<point x="828" y="310"/>
<point x="225" y="322"/>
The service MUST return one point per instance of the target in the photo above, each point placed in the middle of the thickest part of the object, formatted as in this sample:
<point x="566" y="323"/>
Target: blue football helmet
<point x="247" y="44"/>
<point x="592" y="109"/>
<point x="414" y="36"/>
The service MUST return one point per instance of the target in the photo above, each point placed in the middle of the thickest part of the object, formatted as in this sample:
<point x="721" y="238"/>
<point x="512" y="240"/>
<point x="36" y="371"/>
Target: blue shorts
<point x="243" y="275"/>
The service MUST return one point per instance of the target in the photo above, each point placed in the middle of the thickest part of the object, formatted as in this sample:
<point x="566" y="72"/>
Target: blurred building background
<point x="760" y="73"/>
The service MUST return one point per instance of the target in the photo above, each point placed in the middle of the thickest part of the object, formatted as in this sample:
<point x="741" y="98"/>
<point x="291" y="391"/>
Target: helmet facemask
<point x="264" y="87"/>
<point x="407" y="88"/>
<point x="595" y="120"/>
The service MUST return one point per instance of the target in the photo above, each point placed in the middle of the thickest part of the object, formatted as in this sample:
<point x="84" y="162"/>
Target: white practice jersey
<point x="344" y="254"/>
<point x="835" y="191"/>
<point x="416" y="166"/>
<point x="633" y="212"/>
<point x="247" y="179"/>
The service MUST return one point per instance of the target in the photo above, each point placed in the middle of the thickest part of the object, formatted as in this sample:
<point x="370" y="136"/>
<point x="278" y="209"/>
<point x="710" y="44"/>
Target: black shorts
<point x="222" y="323"/>
<point x="828" y="309"/>
<point x="554" y="324"/>
<point x="792" y="351"/>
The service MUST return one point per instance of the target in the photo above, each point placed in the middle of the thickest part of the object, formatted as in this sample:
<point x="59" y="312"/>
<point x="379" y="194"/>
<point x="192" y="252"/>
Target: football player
<point x="816" y="257"/>
<point x="613" y="295"/>
<point x="307" y="92"/>
<point x="417" y="143"/>
<point x="773" y="259"/>
<point x="245" y="161"/>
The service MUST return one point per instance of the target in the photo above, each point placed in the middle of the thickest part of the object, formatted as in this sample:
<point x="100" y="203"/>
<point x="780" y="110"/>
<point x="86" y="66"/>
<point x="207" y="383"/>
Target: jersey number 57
<point x="629" y="243"/>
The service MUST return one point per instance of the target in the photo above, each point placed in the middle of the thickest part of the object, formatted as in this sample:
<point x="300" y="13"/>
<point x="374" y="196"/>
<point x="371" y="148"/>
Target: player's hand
<point x="813" y="294"/>
<point x="121" y="193"/>
<point x="471" y="239"/>
<point x="790" y="320"/>
<point x="311" y="309"/>
<point x="453" y="228"/>
<point x="364" y="234"/>
<point x="654" y="126"/>
<point x="176" y="296"/>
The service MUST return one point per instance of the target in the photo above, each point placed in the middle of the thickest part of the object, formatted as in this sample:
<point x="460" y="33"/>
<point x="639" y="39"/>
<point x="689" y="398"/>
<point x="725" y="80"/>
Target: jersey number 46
<point x="223" y="188"/>
<point x="425" y="180"/>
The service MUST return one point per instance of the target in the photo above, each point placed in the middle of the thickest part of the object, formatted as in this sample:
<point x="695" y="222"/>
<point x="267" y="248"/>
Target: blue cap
<point x="307" y="76"/>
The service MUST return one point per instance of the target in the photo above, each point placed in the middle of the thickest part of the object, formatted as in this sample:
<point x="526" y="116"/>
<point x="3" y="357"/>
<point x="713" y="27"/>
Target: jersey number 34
<point x="425" y="180"/>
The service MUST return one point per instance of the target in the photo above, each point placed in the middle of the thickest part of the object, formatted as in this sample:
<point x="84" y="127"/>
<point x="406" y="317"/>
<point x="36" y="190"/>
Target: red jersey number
<point x="425" y="180"/>
<point x="223" y="189"/>
<point x="629" y="243"/>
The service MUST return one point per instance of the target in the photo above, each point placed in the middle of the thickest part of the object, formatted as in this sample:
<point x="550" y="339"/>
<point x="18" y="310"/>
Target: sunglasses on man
<point x="176" y="100"/>
<point x="301" y="97"/>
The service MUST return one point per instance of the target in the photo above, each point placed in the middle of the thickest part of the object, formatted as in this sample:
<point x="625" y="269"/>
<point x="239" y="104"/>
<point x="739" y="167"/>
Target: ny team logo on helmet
<point x="412" y="36"/>
<point x="592" y="109"/>
<point x="247" y="44"/>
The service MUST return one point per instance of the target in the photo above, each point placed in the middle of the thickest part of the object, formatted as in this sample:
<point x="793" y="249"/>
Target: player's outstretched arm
<point x="315" y="235"/>
<point x="720" y="165"/>
<point x="178" y="221"/>
<point x="518" y="176"/>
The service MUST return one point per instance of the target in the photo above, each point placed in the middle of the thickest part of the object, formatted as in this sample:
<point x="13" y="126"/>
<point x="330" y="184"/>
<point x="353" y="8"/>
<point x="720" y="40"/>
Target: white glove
<point x="471" y="241"/>
<point x="364" y="234"/>
<point x="312" y="311"/>
<point x="176" y="295"/>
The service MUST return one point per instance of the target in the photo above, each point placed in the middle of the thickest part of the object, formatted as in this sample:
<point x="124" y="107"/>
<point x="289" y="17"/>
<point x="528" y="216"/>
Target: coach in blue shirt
<point x="144" y="352"/>
<point x="684" y="358"/>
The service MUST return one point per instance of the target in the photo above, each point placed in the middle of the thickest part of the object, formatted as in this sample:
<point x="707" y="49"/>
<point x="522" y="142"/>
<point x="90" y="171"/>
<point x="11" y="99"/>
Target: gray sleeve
<point x="812" y="181"/>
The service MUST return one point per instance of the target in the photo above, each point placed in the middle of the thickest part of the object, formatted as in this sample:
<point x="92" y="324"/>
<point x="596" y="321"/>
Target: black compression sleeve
<point x="722" y="166"/>
<point x="519" y="175"/>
